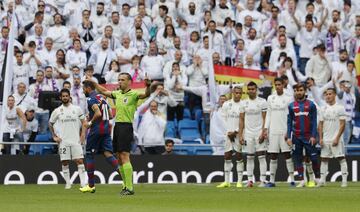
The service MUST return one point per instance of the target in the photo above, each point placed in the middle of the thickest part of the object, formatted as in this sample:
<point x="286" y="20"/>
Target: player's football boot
<point x="87" y="189"/>
<point x="239" y="185"/>
<point x="250" y="184"/>
<point x="301" y="184"/>
<point x="270" y="185"/>
<point x="311" y="184"/>
<point x="224" y="185"/>
<point x="68" y="186"/>
<point x="262" y="185"/>
<point x="320" y="184"/>
<point x="127" y="192"/>
<point x="344" y="184"/>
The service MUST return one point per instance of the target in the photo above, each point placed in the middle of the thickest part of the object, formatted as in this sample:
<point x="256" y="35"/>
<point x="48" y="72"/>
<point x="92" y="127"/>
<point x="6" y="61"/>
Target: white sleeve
<point x="341" y="112"/>
<point x="54" y="116"/>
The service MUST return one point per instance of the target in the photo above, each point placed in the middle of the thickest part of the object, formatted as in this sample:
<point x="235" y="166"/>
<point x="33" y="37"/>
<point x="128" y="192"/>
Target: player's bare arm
<point x="97" y="115"/>
<point x="241" y="128"/>
<point x="54" y="136"/>
<point x="83" y="131"/>
<point x="101" y="89"/>
<point x="340" y="132"/>
<point x="264" y="131"/>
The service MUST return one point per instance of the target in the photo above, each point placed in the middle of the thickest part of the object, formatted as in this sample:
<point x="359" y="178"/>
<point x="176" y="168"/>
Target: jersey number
<point x="62" y="150"/>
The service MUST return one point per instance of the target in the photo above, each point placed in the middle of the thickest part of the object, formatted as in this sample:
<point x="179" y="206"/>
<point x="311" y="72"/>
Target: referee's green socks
<point x="128" y="173"/>
<point x="122" y="174"/>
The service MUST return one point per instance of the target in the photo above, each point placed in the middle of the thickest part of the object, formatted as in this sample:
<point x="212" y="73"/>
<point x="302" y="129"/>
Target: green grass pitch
<point x="180" y="197"/>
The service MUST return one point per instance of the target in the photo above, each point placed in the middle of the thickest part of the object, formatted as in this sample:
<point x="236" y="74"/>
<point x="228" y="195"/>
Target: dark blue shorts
<point x="98" y="143"/>
<point x="301" y="144"/>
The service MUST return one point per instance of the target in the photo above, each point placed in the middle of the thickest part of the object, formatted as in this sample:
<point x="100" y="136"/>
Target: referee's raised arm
<point x="100" y="88"/>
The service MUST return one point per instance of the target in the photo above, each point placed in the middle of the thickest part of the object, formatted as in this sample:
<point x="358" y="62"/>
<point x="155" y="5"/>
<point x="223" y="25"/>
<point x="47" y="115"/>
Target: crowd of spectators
<point x="59" y="43"/>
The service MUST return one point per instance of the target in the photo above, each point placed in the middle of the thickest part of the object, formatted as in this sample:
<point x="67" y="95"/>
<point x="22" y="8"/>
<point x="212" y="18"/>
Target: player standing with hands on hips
<point x="126" y="101"/>
<point x="69" y="133"/>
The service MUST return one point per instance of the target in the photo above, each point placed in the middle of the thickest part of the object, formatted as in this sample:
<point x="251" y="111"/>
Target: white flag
<point x="8" y="71"/>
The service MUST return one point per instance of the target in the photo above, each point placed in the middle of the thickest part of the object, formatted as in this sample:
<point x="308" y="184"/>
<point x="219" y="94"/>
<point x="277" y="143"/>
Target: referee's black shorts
<point x="123" y="137"/>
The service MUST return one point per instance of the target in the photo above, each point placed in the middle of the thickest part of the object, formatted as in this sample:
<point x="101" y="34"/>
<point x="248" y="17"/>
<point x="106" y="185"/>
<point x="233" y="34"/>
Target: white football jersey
<point x="277" y="112"/>
<point x="231" y="113"/>
<point x="331" y="116"/>
<point x="253" y="110"/>
<point x="68" y="123"/>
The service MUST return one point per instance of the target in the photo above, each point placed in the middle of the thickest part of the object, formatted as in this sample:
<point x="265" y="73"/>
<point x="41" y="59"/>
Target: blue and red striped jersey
<point x="100" y="126"/>
<point x="302" y="120"/>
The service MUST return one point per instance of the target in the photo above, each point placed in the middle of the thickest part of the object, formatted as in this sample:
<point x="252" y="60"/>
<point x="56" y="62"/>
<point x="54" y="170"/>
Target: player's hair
<point x="279" y="79"/>
<point x="299" y="85"/>
<point x="126" y="74"/>
<point x="88" y="84"/>
<point x="331" y="89"/>
<point x="64" y="90"/>
<point x="169" y="141"/>
<point x="251" y="84"/>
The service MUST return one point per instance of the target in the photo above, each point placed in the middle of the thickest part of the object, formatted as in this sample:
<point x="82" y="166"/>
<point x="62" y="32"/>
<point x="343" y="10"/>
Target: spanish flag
<point x="223" y="75"/>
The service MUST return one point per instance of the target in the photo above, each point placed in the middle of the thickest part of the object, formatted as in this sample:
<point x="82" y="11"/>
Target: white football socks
<point x="82" y="174"/>
<point x="310" y="171"/>
<point x="250" y="167"/>
<point x="273" y="168"/>
<point x="323" y="171"/>
<point x="240" y="170"/>
<point x="227" y="170"/>
<point x="66" y="172"/>
<point x="290" y="168"/>
<point x="263" y="167"/>
<point x="344" y="170"/>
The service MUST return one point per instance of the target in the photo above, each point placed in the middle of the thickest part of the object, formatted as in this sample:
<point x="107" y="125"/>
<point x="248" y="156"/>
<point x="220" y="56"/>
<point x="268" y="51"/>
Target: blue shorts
<point x="300" y="144"/>
<point x="98" y="143"/>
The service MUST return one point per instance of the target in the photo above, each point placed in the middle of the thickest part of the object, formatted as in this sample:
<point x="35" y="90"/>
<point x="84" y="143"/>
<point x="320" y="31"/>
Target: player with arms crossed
<point x="331" y="129"/>
<point x="252" y="132"/>
<point x="276" y="128"/>
<point x="99" y="137"/>
<point x="302" y="132"/>
<point x="230" y="112"/>
<point x="126" y="103"/>
<point x="70" y="135"/>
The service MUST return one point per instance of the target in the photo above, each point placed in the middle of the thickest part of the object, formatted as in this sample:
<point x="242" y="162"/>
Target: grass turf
<point x="189" y="197"/>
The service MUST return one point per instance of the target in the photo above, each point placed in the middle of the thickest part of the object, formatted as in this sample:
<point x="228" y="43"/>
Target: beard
<point x="99" y="12"/>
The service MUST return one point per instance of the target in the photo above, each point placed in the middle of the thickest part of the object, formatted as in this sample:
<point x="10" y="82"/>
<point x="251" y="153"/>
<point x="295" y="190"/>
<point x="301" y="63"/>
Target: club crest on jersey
<point x="125" y="100"/>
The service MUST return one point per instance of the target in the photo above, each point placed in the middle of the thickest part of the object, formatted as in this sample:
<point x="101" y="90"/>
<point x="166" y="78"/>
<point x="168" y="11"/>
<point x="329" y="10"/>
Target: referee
<point x="126" y="101"/>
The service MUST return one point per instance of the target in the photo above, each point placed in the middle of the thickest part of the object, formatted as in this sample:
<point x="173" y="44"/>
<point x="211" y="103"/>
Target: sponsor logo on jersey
<point x="302" y="114"/>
